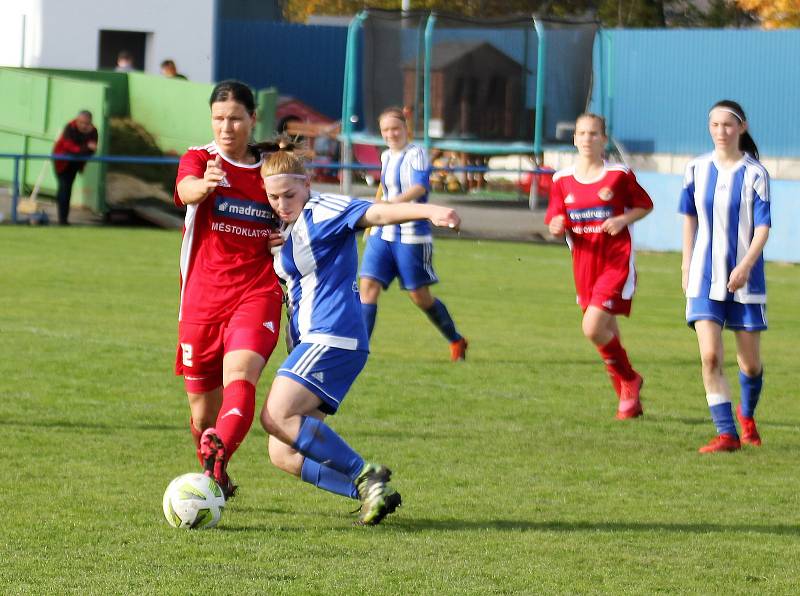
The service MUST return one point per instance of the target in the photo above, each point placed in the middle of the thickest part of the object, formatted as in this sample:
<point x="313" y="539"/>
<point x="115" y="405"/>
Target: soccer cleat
<point x="629" y="404"/>
<point x="750" y="434"/>
<point x="212" y="450"/>
<point x="458" y="349"/>
<point x="393" y="501"/>
<point x="377" y="498"/>
<point x="629" y="408"/>
<point x="723" y="442"/>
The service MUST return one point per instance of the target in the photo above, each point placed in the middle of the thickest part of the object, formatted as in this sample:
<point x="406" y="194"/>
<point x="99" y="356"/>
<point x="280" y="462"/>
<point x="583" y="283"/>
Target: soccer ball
<point x="194" y="502"/>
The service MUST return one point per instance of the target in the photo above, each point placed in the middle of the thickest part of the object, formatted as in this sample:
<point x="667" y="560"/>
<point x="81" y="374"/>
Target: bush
<point x="131" y="138"/>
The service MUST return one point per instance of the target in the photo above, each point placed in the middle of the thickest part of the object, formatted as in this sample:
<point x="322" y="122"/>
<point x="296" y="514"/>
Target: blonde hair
<point x="593" y="116"/>
<point x="282" y="160"/>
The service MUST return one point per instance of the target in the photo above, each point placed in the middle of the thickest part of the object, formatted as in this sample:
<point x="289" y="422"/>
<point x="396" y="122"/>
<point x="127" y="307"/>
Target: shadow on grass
<point x="420" y="525"/>
<point x="414" y="525"/>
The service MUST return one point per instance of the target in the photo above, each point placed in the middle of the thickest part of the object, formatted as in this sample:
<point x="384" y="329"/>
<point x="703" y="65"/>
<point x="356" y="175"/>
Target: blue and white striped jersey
<point x="729" y="205"/>
<point x="319" y="262"/>
<point x="399" y="172"/>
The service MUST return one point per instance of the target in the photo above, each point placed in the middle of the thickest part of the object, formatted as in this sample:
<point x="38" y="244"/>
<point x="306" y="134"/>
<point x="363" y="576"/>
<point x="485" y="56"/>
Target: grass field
<point x="516" y="478"/>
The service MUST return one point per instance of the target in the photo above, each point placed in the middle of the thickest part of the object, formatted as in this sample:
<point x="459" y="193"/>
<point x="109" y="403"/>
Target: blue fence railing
<point x="134" y="159"/>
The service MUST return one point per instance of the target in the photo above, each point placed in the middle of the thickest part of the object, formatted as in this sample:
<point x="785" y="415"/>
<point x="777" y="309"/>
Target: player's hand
<point x="213" y="174"/>
<point x="738" y="277"/>
<point x="684" y="279"/>
<point x="274" y="242"/>
<point x="91" y="146"/>
<point x="556" y="225"/>
<point x="614" y="225"/>
<point x="444" y="217"/>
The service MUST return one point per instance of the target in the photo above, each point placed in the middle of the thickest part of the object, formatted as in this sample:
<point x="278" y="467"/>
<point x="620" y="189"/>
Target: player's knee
<point x="710" y="362"/>
<point x="751" y="369"/>
<point x="268" y="423"/>
<point x="422" y="298"/>
<point x="592" y="332"/>
<point x="369" y="290"/>
<point x="281" y="455"/>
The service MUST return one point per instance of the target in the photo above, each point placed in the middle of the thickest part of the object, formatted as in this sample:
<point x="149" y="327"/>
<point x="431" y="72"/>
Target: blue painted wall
<point x="657" y="86"/>
<point x="304" y="61"/>
<point x="662" y="229"/>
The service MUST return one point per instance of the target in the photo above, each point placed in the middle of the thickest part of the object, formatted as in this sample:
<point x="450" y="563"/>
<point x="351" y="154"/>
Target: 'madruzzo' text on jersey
<point x="586" y="205"/>
<point x="224" y="255"/>
<point x="728" y="204"/>
<point x="319" y="262"/>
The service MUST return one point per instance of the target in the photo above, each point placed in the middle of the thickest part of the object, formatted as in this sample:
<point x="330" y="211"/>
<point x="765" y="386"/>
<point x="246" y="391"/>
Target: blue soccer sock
<point x="722" y="413"/>
<point x="328" y="479"/>
<point x="440" y="317"/>
<point x="751" y="391"/>
<point x="318" y="441"/>
<point x="369" y="312"/>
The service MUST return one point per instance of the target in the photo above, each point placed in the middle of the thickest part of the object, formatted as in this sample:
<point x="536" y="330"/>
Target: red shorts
<point x="606" y="294"/>
<point x="253" y="326"/>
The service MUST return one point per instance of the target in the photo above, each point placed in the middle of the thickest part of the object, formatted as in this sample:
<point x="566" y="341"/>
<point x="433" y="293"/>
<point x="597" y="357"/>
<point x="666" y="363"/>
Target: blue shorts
<point x="325" y="371"/>
<point x="412" y="263"/>
<point x="733" y="315"/>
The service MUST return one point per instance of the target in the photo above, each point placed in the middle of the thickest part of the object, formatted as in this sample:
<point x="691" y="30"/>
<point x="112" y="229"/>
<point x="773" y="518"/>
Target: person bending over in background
<point x="79" y="139"/>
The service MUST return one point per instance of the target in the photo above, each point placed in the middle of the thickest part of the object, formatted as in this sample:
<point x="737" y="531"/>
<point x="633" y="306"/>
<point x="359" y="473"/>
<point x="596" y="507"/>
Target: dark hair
<point x="236" y="91"/>
<point x="168" y="64"/>
<point x="593" y="116"/>
<point x="746" y="142"/>
<point x="85" y="113"/>
<point x="125" y="55"/>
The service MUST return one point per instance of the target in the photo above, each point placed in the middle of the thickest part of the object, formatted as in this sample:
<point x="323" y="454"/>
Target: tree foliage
<point x="611" y="13"/>
<point x="774" y="14"/>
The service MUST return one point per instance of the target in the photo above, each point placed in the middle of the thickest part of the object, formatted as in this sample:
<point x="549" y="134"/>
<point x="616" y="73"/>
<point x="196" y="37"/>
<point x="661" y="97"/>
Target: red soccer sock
<point x="236" y="415"/>
<point x="196" y="434"/>
<point x="616" y="360"/>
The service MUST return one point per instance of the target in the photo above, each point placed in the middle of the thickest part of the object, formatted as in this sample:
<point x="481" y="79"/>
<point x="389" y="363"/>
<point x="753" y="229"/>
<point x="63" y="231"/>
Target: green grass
<point x="515" y="476"/>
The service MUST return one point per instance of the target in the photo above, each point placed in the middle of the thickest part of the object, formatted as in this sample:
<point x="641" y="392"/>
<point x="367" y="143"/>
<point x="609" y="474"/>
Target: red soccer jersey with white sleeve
<point x="224" y="254"/>
<point x="598" y="257"/>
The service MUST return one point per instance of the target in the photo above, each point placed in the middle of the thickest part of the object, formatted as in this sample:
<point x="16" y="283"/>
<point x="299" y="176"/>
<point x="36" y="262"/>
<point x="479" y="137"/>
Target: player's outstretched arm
<point x="192" y="189"/>
<point x="383" y="214"/>
<point x="412" y="194"/>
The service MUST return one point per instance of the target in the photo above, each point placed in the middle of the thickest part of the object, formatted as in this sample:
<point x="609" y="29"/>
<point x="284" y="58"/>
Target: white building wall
<point x="66" y="33"/>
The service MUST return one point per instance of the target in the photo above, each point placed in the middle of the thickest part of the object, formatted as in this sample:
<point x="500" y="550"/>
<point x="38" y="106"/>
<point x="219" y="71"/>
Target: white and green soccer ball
<point x="194" y="502"/>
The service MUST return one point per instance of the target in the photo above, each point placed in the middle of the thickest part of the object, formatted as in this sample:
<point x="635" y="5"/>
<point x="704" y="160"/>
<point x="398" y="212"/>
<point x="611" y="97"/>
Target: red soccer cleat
<point x="458" y="349"/>
<point x="750" y="434"/>
<point x="212" y="450"/>
<point x="629" y="404"/>
<point x="723" y="442"/>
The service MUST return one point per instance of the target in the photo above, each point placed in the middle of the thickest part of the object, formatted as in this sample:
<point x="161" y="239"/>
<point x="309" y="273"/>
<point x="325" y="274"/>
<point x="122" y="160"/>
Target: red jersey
<point x="224" y="254"/>
<point x="585" y="205"/>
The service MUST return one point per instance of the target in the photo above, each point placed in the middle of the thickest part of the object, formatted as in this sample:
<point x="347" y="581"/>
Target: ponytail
<point x="748" y="145"/>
